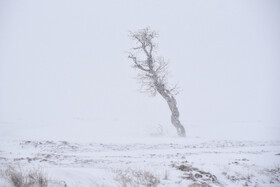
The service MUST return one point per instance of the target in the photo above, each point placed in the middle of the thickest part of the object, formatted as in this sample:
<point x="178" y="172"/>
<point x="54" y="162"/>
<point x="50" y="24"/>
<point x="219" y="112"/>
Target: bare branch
<point x="137" y="64"/>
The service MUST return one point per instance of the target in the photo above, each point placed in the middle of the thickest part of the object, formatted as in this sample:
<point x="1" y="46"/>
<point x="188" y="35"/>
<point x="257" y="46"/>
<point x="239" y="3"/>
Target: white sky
<point x="64" y="62"/>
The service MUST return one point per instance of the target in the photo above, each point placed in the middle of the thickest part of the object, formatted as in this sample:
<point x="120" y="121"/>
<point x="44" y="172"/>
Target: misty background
<point x="64" y="71"/>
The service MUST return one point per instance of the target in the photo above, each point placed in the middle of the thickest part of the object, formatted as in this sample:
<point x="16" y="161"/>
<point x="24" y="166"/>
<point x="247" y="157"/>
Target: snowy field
<point x="152" y="161"/>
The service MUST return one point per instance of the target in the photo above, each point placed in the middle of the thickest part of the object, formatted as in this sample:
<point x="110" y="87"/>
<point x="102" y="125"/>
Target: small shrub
<point x="158" y="131"/>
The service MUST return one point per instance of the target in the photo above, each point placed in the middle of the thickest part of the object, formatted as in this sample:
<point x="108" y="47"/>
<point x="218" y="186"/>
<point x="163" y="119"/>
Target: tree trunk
<point x="171" y="101"/>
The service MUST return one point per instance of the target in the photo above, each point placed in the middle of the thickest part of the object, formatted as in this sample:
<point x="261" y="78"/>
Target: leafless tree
<point x="153" y="72"/>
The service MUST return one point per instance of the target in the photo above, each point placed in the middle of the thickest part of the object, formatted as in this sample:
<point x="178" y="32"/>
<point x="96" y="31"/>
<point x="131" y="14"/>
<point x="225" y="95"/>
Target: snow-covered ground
<point x="152" y="161"/>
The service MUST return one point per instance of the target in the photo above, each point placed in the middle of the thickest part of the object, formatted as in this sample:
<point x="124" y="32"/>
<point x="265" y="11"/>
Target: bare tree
<point x="153" y="72"/>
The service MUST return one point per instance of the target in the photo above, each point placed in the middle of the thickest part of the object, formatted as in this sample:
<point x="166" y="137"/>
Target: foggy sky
<point x="65" y="62"/>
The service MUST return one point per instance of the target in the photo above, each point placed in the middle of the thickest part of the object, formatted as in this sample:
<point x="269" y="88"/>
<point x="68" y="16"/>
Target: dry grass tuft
<point x="20" y="178"/>
<point x="132" y="177"/>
